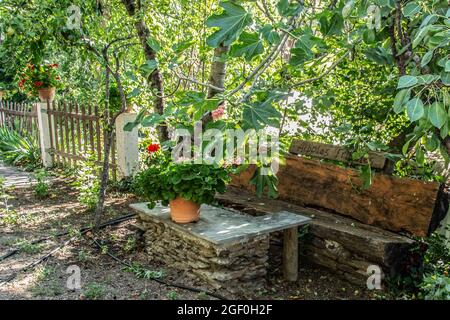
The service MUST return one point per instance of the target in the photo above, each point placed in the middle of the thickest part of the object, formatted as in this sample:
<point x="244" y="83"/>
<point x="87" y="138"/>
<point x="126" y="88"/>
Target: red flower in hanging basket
<point x="154" y="147"/>
<point x="55" y="65"/>
<point x="21" y="83"/>
<point x="38" y="83"/>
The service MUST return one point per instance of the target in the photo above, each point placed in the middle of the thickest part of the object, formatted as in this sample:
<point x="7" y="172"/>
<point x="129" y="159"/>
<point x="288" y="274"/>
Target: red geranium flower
<point x="55" y="65"/>
<point x="153" y="147"/>
<point x="38" y="83"/>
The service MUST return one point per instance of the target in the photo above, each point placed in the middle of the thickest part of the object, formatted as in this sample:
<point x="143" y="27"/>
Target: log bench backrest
<point x="332" y="152"/>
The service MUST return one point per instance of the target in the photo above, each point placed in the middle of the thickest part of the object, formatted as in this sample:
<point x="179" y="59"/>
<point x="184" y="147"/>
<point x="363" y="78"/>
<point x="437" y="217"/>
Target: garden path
<point x="14" y="176"/>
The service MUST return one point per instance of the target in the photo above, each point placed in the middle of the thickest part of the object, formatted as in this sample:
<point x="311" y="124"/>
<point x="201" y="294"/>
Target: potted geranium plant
<point x="40" y="79"/>
<point x="184" y="186"/>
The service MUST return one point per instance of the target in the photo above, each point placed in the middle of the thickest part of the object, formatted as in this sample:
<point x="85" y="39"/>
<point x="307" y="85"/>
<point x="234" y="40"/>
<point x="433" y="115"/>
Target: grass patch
<point x="94" y="291"/>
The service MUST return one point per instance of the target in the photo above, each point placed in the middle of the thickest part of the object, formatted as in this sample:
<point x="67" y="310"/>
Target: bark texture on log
<point x="399" y="205"/>
<point x="338" y="243"/>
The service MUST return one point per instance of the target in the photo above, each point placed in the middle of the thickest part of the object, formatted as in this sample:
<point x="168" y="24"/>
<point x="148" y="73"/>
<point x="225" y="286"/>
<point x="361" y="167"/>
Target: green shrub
<point x="165" y="180"/>
<point x="436" y="287"/>
<point x="42" y="186"/>
<point x="427" y="278"/>
<point x="87" y="183"/>
<point x="19" y="150"/>
<point x="94" y="291"/>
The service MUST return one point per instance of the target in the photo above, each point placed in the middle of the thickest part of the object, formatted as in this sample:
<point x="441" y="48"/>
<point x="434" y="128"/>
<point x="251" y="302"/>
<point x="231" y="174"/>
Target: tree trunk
<point x="216" y="78"/>
<point x="218" y="70"/>
<point x="109" y="135"/>
<point x="155" y="78"/>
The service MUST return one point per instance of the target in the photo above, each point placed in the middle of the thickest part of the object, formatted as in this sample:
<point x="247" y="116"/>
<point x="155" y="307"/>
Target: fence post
<point x="44" y="134"/>
<point x="127" y="146"/>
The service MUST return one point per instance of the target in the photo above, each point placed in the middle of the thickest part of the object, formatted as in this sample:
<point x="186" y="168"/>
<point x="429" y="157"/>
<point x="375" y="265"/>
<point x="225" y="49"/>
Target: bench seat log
<point x="343" y="245"/>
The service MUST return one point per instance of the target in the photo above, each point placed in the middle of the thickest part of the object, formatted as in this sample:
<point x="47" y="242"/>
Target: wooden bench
<point x="225" y="248"/>
<point x="352" y="228"/>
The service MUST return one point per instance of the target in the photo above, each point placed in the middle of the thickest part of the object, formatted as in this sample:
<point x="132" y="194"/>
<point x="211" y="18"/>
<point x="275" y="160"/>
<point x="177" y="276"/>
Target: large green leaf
<point x="249" y="46"/>
<point x="331" y="23"/>
<point x="289" y="8"/>
<point x="303" y="50"/>
<point x="259" y="115"/>
<point x="427" y="79"/>
<point x="426" y="58"/>
<point x="231" y="23"/>
<point x="379" y="55"/>
<point x="406" y="82"/>
<point x="152" y="120"/>
<point x="414" y="109"/>
<point x="400" y="99"/>
<point x="154" y="44"/>
<point x="148" y="67"/>
<point x="269" y="34"/>
<point x="437" y="114"/>
<point x="420" y="35"/>
<point x="411" y="9"/>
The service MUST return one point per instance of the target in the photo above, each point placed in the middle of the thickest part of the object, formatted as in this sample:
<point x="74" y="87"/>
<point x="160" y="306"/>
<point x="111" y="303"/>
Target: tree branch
<point x="207" y="85"/>
<point x="334" y="65"/>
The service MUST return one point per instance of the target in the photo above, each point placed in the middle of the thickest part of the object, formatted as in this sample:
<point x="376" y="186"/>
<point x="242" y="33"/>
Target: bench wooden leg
<point x="290" y="254"/>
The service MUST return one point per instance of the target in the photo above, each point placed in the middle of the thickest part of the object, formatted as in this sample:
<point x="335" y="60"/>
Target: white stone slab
<point x="221" y="226"/>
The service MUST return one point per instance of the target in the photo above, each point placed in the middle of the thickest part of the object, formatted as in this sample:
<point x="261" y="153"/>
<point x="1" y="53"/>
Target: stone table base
<point x="225" y="249"/>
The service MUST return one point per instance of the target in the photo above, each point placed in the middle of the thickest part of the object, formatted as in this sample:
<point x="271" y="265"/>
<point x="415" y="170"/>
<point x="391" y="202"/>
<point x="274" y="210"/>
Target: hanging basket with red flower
<point x="42" y="80"/>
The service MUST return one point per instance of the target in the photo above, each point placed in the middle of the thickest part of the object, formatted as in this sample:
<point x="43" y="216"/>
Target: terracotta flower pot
<point x="184" y="211"/>
<point x="47" y="94"/>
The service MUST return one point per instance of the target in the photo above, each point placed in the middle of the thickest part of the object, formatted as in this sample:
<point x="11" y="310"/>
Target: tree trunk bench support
<point x="225" y="248"/>
<point x="290" y="254"/>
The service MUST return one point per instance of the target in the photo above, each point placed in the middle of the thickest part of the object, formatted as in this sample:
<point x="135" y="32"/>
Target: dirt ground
<point x="102" y="277"/>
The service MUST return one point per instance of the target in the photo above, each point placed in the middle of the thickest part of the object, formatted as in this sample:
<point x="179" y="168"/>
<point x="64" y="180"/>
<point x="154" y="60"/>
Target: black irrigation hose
<point x="82" y="231"/>
<point x="64" y="233"/>
<point x="169" y="284"/>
